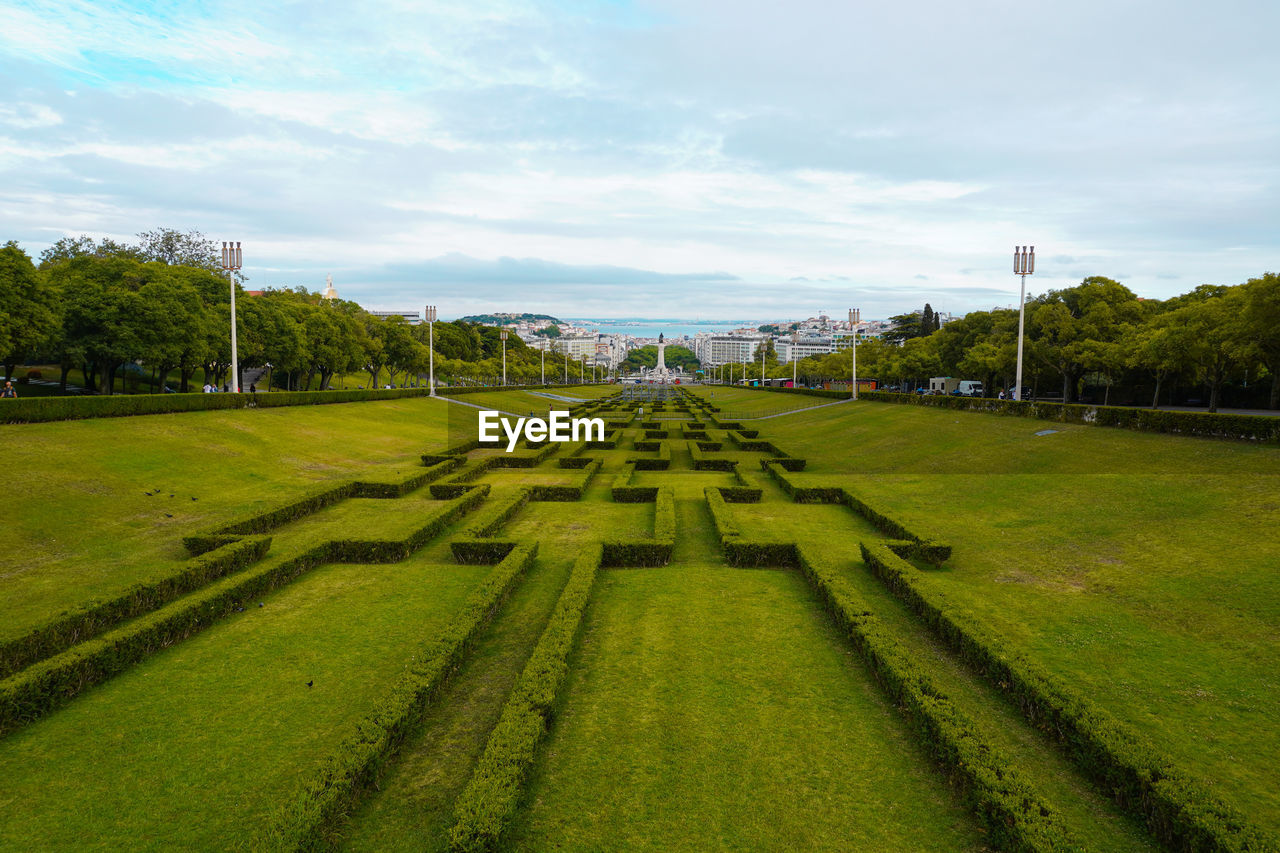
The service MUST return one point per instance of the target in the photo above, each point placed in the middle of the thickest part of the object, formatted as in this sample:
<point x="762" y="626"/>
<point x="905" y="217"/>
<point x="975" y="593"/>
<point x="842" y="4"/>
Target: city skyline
<point x="715" y="159"/>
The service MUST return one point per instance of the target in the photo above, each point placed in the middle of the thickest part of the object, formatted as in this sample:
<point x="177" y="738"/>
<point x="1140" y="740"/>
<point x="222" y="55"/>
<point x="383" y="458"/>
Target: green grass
<point x="191" y="748"/>
<point x="1139" y="567"/>
<point x="713" y="708"/>
<point x="707" y="707"/>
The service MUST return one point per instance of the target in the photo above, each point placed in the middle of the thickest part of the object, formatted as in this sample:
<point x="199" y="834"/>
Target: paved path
<point x="793" y="411"/>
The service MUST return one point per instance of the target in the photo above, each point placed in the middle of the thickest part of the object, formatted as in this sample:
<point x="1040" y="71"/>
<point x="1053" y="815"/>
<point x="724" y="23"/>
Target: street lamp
<point x="1024" y="264"/>
<point x="503" y="336"/>
<point x="431" y="345"/>
<point x="231" y="259"/>
<point x="855" y="315"/>
<point x="762" y="363"/>
<point x="795" y="358"/>
<point x="544" y="361"/>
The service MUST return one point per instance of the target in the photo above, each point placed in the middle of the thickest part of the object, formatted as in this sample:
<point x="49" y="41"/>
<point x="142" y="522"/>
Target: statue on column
<point x="661" y="368"/>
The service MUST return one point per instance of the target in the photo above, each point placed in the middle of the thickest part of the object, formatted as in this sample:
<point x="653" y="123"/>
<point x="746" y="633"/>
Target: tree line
<point x="1097" y="334"/>
<point x="162" y="307"/>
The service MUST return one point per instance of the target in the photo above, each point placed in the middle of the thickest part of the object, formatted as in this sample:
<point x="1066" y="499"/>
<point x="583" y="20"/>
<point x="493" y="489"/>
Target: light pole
<point x="431" y="345"/>
<point x="855" y="315"/>
<point x="231" y="262"/>
<point x="544" y="362"/>
<point x="795" y="359"/>
<point x="762" y="364"/>
<point x="503" y="336"/>
<point x="1024" y="264"/>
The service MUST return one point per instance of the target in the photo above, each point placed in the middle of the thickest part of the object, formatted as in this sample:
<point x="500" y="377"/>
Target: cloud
<point x="606" y="152"/>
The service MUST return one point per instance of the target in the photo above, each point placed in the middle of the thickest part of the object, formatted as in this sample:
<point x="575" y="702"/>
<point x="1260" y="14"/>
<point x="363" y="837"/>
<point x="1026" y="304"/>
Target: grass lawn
<point x="706" y="707"/>
<point x="1140" y="567"/>
<point x="191" y="748"/>
<point x="715" y="708"/>
<point x="79" y="525"/>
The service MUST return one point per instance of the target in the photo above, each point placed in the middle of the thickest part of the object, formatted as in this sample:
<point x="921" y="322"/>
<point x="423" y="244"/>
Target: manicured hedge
<point x="1240" y="427"/>
<point x="1177" y="809"/>
<point x="49" y="683"/>
<point x="648" y="552"/>
<point x="68" y="629"/>
<point x="741" y="494"/>
<point x="358" y="761"/>
<point x="482" y="551"/>
<point x="1014" y="813"/>
<point x="646" y="463"/>
<point x="495" y="514"/>
<point x="624" y="493"/>
<point x="485" y="806"/>
<point x="571" y="491"/>
<point x="703" y="462"/>
<point x="314" y="501"/>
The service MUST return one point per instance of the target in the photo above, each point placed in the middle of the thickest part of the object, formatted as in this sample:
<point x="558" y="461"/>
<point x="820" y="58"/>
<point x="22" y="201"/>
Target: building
<point x="715" y="350"/>
<point x="576" y="346"/>
<point x="804" y="347"/>
<point x="411" y="317"/>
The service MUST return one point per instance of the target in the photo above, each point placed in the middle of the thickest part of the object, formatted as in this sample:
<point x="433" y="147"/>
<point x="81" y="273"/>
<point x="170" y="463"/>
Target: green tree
<point x="1261" y="326"/>
<point x="28" y="307"/>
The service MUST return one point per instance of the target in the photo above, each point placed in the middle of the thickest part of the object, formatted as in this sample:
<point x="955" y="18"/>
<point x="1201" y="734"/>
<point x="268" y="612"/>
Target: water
<point x="647" y="327"/>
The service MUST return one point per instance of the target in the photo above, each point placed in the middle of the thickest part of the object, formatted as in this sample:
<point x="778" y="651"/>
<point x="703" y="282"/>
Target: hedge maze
<point x="487" y="542"/>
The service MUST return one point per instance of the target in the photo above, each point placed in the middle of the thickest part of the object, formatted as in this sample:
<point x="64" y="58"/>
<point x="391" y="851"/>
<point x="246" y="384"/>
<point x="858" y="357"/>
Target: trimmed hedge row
<point x="741" y="494"/>
<point x="65" y="631"/>
<point x="645" y="463"/>
<point x="1260" y="428"/>
<point x="926" y="549"/>
<point x="313" y="502"/>
<point x="49" y="683"/>
<point x="482" y="552"/>
<point x="571" y="491"/>
<point x="1179" y="812"/>
<point x="648" y="552"/>
<point x="496" y="514"/>
<point x="487" y="803"/>
<point x="739" y="550"/>
<point x="625" y="493"/>
<point x="1014" y="814"/>
<point x="44" y="409"/>
<point x="358" y="761"/>
<point x="703" y="462"/>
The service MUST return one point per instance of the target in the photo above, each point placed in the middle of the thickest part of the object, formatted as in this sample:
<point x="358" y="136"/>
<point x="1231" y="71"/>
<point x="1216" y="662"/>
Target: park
<point x="743" y="619"/>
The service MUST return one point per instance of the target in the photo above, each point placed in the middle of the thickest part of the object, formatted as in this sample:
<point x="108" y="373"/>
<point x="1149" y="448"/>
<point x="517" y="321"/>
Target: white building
<point x="804" y="347"/>
<point x="411" y="317"/>
<point x="714" y="350"/>
<point x="577" y="346"/>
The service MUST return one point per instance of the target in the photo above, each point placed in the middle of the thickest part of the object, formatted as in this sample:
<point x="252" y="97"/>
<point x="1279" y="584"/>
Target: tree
<point x="904" y="328"/>
<point x="28" y="315"/>
<point x="647" y="357"/>
<point x="1261" y="325"/>
<point x="1068" y="325"/>
<point x="1160" y="347"/>
<point x="1213" y="338"/>
<point x="176" y="248"/>
<point x="551" y="331"/>
<point x="928" y="322"/>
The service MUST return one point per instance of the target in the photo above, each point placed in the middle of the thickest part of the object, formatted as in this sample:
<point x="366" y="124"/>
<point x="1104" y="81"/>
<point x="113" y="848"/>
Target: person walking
<point x="8" y="392"/>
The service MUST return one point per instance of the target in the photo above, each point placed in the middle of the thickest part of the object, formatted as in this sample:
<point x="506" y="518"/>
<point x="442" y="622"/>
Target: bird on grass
<point x="168" y="515"/>
<point x="259" y="603"/>
<point x="194" y="498"/>
<point x="309" y="683"/>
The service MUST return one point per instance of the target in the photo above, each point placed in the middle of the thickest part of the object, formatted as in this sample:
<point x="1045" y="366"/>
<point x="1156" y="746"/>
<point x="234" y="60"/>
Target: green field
<point x="705" y="705"/>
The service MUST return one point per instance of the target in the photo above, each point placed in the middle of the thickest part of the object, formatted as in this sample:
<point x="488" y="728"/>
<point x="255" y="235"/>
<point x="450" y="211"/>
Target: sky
<point x="728" y="159"/>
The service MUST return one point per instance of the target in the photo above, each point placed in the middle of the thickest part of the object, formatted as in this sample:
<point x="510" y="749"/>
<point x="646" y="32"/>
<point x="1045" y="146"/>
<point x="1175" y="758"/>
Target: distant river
<point x="645" y="327"/>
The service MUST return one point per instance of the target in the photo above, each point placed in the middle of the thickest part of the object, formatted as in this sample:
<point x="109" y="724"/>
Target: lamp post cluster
<point x="855" y="317"/>
<point x="431" y="346"/>
<point x="1024" y="264"/>
<point x="231" y="261"/>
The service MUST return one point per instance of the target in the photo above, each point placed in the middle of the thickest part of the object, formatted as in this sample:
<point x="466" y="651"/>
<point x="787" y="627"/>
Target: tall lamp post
<point x="503" y="336"/>
<point x="1024" y="264"/>
<point x="545" y="344"/>
<point x="231" y="262"/>
<point x="795" y="359"/>
<point x="431" y="346"/>
<point x="762" y="364"/>
<point x="855" y="316"/>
